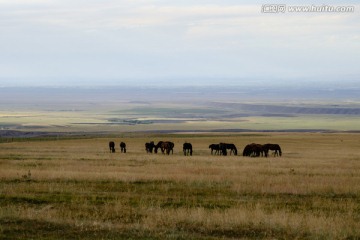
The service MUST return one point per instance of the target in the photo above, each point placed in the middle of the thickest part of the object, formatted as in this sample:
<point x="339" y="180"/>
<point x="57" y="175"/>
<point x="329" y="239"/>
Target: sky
<point x="158" y="42"/>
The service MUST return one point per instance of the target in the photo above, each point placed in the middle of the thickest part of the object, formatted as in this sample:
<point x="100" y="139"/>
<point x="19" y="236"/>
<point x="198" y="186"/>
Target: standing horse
<point x="123" y="147"/>
<point x="157" y="146"/>
<point x="165" y="147"/>
<point x="222" y="149"/>
<point x="112" y="146"/>
<point x="214" y="147"/>
<point x="149" y="146"/>
<point x="273" y="147"/>
<point x="187" y="149"/>
<point x="254" y="150"/>
<point x="230" y="146"/>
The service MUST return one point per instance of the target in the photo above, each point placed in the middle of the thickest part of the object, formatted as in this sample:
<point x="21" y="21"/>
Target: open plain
<point x="74" y="188"/>
<point x="80" y="77"/>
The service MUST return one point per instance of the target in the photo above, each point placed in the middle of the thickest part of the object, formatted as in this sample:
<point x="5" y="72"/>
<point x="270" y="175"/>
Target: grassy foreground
<point x="76" y="189"/>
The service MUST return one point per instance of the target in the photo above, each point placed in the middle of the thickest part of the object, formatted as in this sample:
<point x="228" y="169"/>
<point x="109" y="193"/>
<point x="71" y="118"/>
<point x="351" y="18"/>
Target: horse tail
<point x="280" y="151"/>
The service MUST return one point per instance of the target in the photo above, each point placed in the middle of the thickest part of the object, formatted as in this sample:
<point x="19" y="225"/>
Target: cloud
<point x="112" y="15"/>
<point x="153" y="38"/>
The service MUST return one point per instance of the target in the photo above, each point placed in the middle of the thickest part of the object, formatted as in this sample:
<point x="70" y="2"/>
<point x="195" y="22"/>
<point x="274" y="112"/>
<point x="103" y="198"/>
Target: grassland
<point x="132" y="117"/>
<point x="76" y="189"/>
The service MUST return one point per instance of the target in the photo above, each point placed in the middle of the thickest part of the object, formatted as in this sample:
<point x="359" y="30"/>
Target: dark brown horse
<point x="165" y="147"/>
<point x="254" y="150"/>
<point x="273" y="147"/>
<point x="187" y="149"/>
<point x="123" y="147"/>
<point x="112" y="146"/>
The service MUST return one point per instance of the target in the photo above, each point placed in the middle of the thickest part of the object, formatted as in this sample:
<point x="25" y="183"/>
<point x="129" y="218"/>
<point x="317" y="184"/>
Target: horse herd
<point x="167" y="147"/>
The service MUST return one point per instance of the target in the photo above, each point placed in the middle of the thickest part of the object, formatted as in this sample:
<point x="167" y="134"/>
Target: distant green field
<point x="127" y="117"/>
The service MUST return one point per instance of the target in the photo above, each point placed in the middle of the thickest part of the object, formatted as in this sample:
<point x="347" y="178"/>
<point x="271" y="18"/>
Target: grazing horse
<point x="112" y="146"/>
<point x="254" y="150"/>
<point x="230" y="147"/>
<point x="215" y="147"/>
<point x="149" y="146"/>
<point x="165" y="147"/>
<point x="273" y="147"/>
<point x="123" y="147"/>
<point x="157" y="146"/>
<point x="187" y="148"/>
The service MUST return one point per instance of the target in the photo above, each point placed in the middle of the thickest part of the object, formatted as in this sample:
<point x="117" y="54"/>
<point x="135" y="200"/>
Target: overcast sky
<point x="115" y="42"/>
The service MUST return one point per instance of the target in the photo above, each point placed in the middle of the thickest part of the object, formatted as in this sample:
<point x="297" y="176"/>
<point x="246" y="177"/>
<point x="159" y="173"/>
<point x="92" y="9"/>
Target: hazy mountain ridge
<point x="250" y="92"/>
<point x="271" y="110"/>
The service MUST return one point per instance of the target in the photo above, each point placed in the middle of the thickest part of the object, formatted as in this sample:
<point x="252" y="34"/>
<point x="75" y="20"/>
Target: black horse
<point x="149" y="146"/>
<point x="215" y="147"/>
<point x="223" y="149"/>
<point x="273" y="147"/>
<point x="229" y="146"/>
<point x="112" y="146"/>
<point x="123" y="147"/>
<point x="157" y="146"/>
<point x="187" y="149"/>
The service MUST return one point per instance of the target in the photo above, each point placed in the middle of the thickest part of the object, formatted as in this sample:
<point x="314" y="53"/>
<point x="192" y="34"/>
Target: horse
<point x="165" y="147"/>
<point x="187" y="149"/>
<point x="231" y="147"/>
<point x="123" y="147"/>
<point x="112" y="146"/>
<point x="149" y="146"/>
<point x="254" y="150"/>
<point x="222" y="149"/>
<point x="215" y="147"/>
<point x="157" y="146"/>
<point x="273" y="147"/>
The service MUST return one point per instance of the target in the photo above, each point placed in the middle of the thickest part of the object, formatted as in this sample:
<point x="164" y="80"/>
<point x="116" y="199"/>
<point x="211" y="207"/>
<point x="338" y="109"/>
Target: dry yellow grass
<point x="312" y="191"/>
